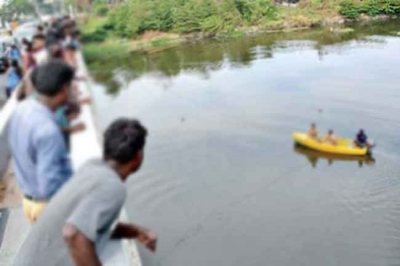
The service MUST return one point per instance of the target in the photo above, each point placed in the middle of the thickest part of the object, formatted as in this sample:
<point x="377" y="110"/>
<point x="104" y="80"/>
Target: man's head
<point x="330" y="132"/>
<point x="76" y="34"/>
<point x="53" y="36"/>
<point x="313" y="125"/>
<point x="52" y="81"/>
<point x="40" y="29"/>
<point x="66" y="28"/>
<point x="39" y="42"/>
<point x="71" y="48"/>
<point x="124" y="141"/>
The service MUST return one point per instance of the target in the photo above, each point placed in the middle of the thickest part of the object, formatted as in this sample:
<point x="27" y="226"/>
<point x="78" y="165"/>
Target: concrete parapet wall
<point x="84" y="146"/>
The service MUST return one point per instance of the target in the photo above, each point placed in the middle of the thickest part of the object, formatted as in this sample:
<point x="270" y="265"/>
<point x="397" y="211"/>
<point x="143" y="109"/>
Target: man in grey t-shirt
<point x="84" y="210"/>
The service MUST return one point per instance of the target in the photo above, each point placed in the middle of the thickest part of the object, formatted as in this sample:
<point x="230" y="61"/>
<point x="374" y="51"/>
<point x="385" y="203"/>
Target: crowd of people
<point x="70" y="212"/>
<point x="59" y="39"/>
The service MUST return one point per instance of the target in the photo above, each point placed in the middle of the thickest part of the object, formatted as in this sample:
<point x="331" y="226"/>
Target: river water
<point x="222" y="182"/>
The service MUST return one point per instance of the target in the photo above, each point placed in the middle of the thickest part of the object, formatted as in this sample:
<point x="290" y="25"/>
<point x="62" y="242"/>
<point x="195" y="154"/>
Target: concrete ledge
<point x="86" y="146"/>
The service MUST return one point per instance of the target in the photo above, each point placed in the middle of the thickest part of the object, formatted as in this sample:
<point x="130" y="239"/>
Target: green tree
<point x="15" y="8"/>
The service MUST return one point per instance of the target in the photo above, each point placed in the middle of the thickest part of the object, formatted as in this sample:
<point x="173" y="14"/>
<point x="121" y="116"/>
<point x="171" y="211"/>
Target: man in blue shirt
<point x="41" y="162"/>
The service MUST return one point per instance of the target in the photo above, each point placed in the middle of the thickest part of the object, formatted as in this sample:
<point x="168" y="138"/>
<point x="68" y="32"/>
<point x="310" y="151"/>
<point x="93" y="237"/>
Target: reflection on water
<point x="221" y="183"/>
<point x="204" y="57"/>
<point x="314" y="157"/>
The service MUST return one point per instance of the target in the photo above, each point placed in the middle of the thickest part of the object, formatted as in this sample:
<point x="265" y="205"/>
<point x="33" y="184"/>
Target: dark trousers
<point x="8" y="92"/>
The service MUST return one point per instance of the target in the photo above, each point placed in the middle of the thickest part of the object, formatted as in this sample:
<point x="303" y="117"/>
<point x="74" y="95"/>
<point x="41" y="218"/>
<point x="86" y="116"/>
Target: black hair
<point x="66" y="25"/>
<point x="50" y="78"/>
<point x="51" y="40"/>
<point x="123" y="139"/>
<point x="71" y="47"/>
<point x="40" y="28"/>
<point x="55" y="24"/>
<point x="54" y="35"/>
<point x="29" y="46"/>
<point x="25" y="41"/>
<point x="15" y="64"/>
<point x="39" y="36"/>
<point x="76" y="33"/>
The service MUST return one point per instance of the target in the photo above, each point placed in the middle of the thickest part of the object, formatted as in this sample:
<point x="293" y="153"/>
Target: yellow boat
<point x="344" y="146"/>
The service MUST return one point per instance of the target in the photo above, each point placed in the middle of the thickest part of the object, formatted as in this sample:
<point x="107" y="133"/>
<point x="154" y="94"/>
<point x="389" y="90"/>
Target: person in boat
<point x="81" y="216"/>
<point x="362" y="140"/>
<point x="330" y="138"/>
<point x="313" y="132"/>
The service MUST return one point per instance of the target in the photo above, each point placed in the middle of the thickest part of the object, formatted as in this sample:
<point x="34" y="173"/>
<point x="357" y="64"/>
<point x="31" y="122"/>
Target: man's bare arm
<point x="128" y="231"/>
<point x="74" y="129"/>
<point x="81" y="249"/>
<point x="145" y="237"/>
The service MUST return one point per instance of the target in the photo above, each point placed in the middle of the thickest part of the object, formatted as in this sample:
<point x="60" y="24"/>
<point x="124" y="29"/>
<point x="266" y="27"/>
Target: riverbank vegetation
<point x="353" y="9"/>
<point x="163" y="21"/>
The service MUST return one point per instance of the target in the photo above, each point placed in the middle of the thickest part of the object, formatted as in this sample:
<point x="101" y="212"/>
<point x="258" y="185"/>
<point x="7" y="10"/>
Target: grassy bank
<point x="148" y="25"/>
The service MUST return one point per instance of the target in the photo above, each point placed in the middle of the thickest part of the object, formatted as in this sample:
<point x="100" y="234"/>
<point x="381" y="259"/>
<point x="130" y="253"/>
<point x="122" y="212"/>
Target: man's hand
<point x="78" y="127"/>
<point x="145" y="236"/>
<point x="86" y="101"/>
<point x="148" y="239"/>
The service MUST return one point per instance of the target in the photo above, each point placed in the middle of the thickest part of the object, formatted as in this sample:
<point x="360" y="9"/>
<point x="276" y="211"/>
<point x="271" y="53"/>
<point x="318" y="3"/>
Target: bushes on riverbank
<point x="352" y="9"/>
<point x="135" y="17"/>
<point x="132" y="18"/>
